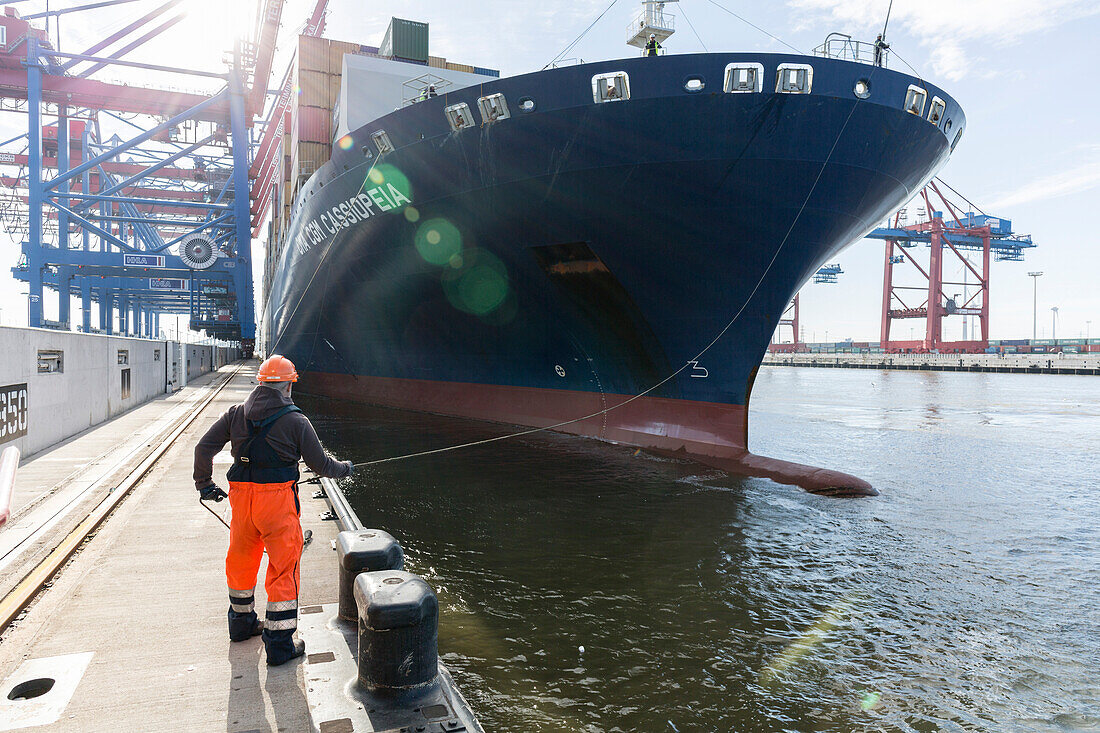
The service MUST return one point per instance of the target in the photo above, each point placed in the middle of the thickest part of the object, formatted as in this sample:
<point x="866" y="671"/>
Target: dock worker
<point x="652" y="45"/>
<point x="268" y="434"/>
<point x="880" y="50"/>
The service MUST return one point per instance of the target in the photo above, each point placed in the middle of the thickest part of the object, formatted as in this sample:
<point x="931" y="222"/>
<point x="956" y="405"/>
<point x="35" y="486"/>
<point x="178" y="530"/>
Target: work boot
<point x="281" y="646"/>
<point x="243" y="626"/>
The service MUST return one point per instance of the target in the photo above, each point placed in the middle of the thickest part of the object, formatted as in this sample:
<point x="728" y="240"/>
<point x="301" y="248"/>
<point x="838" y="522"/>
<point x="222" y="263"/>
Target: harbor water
<point x="590" y="587"/>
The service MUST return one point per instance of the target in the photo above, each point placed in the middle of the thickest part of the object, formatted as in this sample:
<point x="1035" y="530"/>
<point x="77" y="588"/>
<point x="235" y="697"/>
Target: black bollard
<point x="398" y="632"/>
<point x="361" y="551"/>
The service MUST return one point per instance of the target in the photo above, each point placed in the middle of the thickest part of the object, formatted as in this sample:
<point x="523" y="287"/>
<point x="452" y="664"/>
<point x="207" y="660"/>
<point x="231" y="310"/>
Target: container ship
<point x="602" y="248"/>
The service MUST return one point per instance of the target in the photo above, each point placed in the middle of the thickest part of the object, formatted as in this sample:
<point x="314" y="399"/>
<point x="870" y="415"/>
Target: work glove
<point x="351" y="468"/>
<point x="212" y="493"/>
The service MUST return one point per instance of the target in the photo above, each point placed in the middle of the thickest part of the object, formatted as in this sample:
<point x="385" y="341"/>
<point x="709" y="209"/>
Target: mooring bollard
<point x="398" y="632"/>
<point x="362" y="551"/>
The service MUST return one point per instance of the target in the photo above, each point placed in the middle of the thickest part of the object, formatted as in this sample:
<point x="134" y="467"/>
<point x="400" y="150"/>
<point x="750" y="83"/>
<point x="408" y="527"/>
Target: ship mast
<point x="651" y="19"/>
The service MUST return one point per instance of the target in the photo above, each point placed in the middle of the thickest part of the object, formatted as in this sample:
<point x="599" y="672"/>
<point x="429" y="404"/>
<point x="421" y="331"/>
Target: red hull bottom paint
<point x="711" y="433"/>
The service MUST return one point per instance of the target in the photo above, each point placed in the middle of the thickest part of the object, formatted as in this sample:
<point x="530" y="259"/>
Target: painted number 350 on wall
<point x="13" y="412"/>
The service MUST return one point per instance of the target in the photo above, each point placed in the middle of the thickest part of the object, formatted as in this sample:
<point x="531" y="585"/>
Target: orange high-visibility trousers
<point x="265" y="516"/>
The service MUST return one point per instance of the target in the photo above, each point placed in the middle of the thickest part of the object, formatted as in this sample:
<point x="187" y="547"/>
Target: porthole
<point x="694" y="84"/>
<point x="862" y="89"/>
<point x="947" y="126"/>
<point x="526" y="104"/>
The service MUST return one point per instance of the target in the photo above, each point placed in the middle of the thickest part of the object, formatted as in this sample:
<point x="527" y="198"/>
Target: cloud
<point x="1074" y="180"/>
<point x="949" y="27"/>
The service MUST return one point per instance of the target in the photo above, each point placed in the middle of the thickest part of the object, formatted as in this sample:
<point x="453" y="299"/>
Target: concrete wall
<point x="89" y="388"/>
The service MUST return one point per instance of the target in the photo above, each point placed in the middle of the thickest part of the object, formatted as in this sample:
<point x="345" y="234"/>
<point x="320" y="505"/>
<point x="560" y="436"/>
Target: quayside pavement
<point x="143" y="605"/>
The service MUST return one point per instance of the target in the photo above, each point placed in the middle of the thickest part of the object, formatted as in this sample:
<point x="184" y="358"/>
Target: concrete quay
<point x="135" y="622"/>
<point x="1009" y="363"/>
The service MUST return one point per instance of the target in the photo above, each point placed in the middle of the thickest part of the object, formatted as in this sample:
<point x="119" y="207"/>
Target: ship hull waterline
<point x="667" y="427"/>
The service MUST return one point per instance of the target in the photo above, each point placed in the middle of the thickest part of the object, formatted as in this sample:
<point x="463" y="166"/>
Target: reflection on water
<point x="963" y="598"/>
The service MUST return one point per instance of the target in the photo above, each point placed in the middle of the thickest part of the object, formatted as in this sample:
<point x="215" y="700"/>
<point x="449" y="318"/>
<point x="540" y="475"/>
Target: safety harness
<point x="257" y="462"/>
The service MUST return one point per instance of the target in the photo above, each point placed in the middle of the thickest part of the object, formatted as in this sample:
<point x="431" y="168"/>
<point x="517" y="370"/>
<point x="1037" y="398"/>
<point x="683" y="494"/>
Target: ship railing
<point x="418" y="89"/>
<point x="844" y="47"/>
<point x="650" y="20"/>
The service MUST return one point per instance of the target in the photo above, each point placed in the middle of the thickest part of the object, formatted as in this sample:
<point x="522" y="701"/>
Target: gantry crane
<point x="965" y="232"/>
<point x="140" y="215"/>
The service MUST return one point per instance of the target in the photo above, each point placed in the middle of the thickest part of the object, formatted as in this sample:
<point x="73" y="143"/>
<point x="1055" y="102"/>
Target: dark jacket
<point x="292" y="436"/>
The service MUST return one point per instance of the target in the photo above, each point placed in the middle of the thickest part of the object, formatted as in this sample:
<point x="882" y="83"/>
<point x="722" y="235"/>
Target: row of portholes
<point x="739" y="78"/>
<point x="493" y="108"/>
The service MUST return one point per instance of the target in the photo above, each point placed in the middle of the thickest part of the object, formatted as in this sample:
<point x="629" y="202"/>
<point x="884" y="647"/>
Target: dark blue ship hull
<point x="553" y="265"/>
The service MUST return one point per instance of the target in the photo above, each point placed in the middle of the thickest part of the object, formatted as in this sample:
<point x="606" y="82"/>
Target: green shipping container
<point x="405" y="39"/>
<point x="1042" y="342"/>
<point x="994" y="342"/>
<point x="1072" y="342"/>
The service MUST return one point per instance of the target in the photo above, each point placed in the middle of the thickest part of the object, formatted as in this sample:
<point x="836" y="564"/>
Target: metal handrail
<point x="9" y="461"/>
<point x="345" y="515"/>
<point x="842" y="46"/>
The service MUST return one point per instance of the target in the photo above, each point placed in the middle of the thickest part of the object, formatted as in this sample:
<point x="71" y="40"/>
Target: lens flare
<point x="806" y="644"/>
<point x="479" y="285"/>
<point x="870" y="700"/>
<point x="412" y="214"/>
<point x="345" y="142"/>
<point x="437" y="241"/>
<point x="389" y="177"/>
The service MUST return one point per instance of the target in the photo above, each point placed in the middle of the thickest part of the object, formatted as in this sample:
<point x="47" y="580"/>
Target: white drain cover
<point x="37" y="692"/>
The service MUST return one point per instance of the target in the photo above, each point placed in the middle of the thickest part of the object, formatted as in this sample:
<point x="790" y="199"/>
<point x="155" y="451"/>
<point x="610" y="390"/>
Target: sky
<point x="1024" y="71"/>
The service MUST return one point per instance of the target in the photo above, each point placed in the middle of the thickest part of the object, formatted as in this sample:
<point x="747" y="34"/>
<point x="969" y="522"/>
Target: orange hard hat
<point x="277" y="369"/>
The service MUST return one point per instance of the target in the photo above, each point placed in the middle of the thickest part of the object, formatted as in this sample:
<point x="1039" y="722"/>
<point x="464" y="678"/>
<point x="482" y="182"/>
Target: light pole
<point x="1054" y="323"/>
<point x="1035" y="303"/>
<point x="1087" y="324"/>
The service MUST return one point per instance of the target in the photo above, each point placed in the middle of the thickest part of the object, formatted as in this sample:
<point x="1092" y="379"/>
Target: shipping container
<point x="486" y="72"/>
<point x="336" y="51"/>
<point x="1015" y="342"/>
<point x="460" y="67"/>
<point x="313" y="54"/>
<point x="1043" y="342"/>
<point x="1071" y="349"/>
<point x="317" y="89"/>
<point x="1038" y="349"/>
<point x="312" y="125"/>
<point x="1071" y="342"/>
<point x="1095" y="342"/>
<point x="437" y="62"/>
<point x="994" y="342"/>
<point x="1009" y="349"/>
<point x="311" y="156"/>
<point x="405" y="39"/>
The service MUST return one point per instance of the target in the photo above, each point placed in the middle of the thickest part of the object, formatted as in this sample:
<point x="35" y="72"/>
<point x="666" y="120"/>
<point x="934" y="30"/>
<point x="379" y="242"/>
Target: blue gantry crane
<point x="131" y="198"/>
